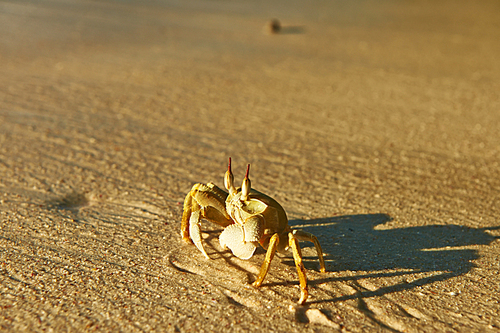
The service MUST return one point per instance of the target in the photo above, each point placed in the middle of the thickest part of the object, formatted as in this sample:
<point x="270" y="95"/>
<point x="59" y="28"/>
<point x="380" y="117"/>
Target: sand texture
<point x="374" y="123"/>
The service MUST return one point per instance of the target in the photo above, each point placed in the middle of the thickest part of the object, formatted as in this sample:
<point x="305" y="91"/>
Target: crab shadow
<point x="362" y="243"/>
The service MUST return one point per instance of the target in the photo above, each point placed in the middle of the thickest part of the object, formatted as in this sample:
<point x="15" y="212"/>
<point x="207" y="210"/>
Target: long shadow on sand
<point x="360" y="243"/>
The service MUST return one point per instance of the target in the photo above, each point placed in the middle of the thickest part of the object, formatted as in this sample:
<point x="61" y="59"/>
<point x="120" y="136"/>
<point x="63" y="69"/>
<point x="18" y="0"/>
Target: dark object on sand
<point x="274" y="26"/>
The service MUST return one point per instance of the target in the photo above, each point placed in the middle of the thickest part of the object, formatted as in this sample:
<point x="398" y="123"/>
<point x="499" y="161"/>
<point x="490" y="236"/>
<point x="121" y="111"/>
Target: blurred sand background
<point x="375" y="124"/>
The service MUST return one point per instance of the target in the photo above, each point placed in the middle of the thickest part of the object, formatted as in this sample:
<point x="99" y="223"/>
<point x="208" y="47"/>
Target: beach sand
<point x="374" y="123"/>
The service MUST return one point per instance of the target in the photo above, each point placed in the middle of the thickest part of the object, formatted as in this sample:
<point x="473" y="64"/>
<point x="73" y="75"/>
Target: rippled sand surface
<point x="374" y="123"/>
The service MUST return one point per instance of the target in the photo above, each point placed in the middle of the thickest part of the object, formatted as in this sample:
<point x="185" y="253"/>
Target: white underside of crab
<point x="242" y="238"/>
<point x="233" y="237"/>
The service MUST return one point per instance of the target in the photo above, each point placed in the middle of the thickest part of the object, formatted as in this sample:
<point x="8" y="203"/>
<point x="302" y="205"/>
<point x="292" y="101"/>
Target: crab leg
<point x="301" y="271"/>
<point x="203" y="201"/>
<point x="305" y="236"/>
<point x="195" y="231"/>
<point x="191" y="223"/>
<point x="271" y="250"/>
<point x="186" y="215"/>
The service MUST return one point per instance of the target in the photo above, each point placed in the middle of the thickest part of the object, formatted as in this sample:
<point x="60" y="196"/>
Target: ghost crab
<point x="249" y="218"/>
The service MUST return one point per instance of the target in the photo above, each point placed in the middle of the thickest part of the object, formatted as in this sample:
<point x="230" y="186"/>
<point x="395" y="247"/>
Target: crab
<point x="249" y="218"/>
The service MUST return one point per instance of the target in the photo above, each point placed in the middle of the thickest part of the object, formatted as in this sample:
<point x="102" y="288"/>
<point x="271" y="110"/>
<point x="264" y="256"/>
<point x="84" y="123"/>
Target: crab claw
<point x="233" y="238"/>
<point x="195" y="232"/>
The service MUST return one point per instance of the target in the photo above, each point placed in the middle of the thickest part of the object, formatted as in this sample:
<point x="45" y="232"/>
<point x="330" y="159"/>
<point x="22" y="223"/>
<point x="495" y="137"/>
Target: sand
<point x="374" y="123"/>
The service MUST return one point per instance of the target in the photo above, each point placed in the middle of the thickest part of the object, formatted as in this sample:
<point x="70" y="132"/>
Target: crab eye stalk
<point x="245" y="186"/>
<point x="229" y="179"/>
